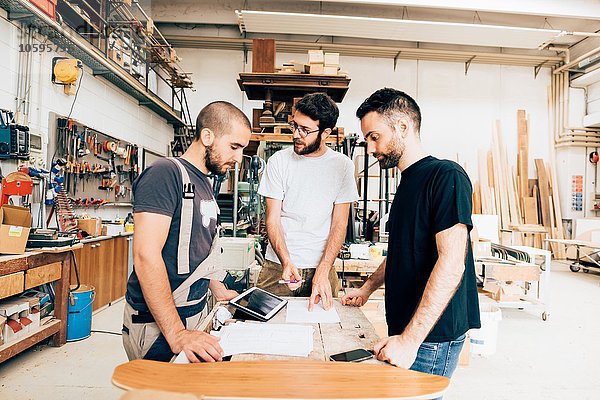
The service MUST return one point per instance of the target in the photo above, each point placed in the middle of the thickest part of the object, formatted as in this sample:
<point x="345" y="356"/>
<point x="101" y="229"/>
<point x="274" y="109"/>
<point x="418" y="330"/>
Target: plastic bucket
<point x="79" y="320"/>
<point x="483" y="341"/>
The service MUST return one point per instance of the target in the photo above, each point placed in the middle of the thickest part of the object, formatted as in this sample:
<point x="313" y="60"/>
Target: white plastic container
<point x="483" y="341"/>
<point x="237" y="252"/>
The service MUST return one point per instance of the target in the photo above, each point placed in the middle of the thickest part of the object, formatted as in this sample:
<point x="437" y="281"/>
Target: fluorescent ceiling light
<point x="395" y="29"/>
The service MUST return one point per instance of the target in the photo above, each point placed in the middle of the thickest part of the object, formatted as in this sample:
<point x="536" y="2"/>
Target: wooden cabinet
<point x="103" y="264"/>
<point x="121" y="255"/>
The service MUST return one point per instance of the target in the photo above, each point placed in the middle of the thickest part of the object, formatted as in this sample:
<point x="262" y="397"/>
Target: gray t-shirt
<point x="158" y="190"/>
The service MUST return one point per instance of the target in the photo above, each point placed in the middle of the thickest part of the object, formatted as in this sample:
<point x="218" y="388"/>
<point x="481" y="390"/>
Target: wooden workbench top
<point x="288" y="379"/>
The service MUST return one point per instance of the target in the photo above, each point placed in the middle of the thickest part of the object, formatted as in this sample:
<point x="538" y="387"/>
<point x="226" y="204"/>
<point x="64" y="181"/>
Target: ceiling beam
<point x="397" y="53"/>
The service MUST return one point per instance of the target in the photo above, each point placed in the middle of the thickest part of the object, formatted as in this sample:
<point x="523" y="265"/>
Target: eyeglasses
<point x="302" y="130"/>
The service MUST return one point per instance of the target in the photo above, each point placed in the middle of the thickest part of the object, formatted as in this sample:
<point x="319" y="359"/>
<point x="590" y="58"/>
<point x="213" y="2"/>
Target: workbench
<point x="356" y="265"/>
<point x="282" y="377"/>
<point x="354" y="331"/>
<point x="31" y="269"/>
<point x="353" y="272"/>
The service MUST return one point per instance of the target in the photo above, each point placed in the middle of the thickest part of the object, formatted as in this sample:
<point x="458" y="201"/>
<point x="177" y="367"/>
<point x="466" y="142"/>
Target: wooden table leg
<point x="61" y="289"/>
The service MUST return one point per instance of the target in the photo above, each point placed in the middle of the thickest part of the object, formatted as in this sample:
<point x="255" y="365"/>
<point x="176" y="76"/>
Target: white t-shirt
<point x="309" y="187"/>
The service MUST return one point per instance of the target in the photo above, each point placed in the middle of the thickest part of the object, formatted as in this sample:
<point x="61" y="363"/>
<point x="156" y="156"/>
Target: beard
<point x="393" y="154"/>
<point x="310" y="148"/>
<point x="214" y="164"/>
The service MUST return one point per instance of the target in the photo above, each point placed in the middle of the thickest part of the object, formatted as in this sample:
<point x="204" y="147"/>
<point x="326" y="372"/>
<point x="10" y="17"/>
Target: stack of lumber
<point x="518" y="201"/>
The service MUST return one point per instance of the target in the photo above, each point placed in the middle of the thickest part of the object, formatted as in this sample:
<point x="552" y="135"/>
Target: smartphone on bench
<point x="352" y="356"/>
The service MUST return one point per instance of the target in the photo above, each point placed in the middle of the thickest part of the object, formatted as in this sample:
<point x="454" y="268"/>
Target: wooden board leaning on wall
<point x="519" y="202"/>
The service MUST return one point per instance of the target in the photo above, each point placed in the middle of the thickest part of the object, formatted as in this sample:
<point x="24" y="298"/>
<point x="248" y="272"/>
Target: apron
<point x="142" y="337"/>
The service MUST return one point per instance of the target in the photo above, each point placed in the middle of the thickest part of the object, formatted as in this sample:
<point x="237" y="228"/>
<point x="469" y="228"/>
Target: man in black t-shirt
<point x="429" y="274"/>
<point x="175" y="245"/>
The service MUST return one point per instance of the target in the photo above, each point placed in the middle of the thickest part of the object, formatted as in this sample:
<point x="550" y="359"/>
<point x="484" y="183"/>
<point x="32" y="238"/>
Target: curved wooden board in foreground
<point x="280" y="380"/>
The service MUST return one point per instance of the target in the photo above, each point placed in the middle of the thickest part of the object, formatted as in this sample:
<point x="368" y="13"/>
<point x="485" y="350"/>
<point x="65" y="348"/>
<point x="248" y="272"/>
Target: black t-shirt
<point x="433" y="195"/>
<point x="159" y="190"/>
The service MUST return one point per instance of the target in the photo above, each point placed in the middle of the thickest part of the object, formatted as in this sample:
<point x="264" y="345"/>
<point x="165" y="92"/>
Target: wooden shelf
<point x="287" y="138"/>
<point x="287" y="86"/>
<point x="13" y="348"/>
<point x="71" y="14"/>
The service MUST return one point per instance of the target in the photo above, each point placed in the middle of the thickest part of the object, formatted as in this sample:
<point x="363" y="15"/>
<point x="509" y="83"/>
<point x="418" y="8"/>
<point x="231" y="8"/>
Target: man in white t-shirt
<point x="308" y="191"/>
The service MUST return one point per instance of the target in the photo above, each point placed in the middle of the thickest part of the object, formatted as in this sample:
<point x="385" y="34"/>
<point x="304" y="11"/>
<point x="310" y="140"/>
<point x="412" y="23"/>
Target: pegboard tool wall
<point x="99" y="166"/>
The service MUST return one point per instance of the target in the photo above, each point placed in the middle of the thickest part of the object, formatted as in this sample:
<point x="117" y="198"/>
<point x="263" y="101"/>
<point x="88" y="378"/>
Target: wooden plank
<point x="499" y="187"/>
<point x="487" y="201"/>
<point x="562" y="251"/>
<point x="523" y="152"/>
<point x="476" y="198"/>
<point x="12" y="264"/>
<point x="544" y="192"/>
<point x="11" y="349"/>
<point x="61" y="289"/>
<point x="12" y="284"/>
<point x="544" y="197"/>
<point x="263" y="55"/>
<point x="43" y="274"/>
<point x="284" y="379"/>
<point x="516" y="198"/>
<point x="530" y="210"/>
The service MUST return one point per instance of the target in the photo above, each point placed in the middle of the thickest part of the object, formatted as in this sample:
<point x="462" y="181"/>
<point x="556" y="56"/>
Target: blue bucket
<point x="79" y="320"/>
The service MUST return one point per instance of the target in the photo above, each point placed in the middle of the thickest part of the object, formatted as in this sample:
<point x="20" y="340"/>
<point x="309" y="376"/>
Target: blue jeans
<point x="438" y="358"/>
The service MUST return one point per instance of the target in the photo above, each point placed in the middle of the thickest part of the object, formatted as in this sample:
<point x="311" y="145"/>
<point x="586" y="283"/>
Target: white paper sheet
<point x="297" y="312"/>
<point x="261" y="338"/>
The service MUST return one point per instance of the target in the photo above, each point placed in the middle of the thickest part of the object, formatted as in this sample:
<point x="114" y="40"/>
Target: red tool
<point x="16" y="184"/>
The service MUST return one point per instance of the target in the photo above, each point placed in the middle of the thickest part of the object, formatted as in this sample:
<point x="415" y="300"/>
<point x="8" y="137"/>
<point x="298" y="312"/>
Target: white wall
<point x="99" y="104"/>
<point x="458" y="110"/>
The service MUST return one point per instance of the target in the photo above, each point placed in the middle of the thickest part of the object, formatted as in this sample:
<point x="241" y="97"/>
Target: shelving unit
<point x="23" y="264"/>
<point x="94" y="31"/>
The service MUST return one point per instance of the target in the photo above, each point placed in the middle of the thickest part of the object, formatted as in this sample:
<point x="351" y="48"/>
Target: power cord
<point x="76" y="93"/>
<point x="107" y="332"/>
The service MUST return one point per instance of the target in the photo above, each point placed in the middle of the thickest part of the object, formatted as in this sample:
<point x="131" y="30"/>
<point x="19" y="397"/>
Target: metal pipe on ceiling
<point x="577" y="60"/>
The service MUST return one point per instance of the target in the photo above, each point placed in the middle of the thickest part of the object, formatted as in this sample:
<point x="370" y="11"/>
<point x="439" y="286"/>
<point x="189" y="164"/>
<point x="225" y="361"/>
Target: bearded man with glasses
<point x="308" y="191"/>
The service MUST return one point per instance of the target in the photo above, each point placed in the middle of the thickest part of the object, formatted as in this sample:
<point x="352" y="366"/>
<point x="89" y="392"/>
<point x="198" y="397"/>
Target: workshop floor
<point x="555" y="359"/>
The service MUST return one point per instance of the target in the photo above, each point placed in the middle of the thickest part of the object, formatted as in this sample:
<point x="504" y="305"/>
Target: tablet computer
<point x="258" y="303"/>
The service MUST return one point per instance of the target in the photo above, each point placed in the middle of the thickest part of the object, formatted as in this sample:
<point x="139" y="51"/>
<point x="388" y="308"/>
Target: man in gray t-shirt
<point x="308" y="190"/>
<point x="176" y="242"/>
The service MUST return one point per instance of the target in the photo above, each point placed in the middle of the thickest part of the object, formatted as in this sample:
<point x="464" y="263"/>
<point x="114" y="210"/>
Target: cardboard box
<point x="15" y="224"/>
<point x="330" y="70"/>
<point x="11" y="310"/>
<point x="113" y="229"/>
<point x="316" y="57"/>
<point x="34" y="310"/>
<point x="92" y="226"/>
<point x="502" y="291"/>
<point x="509" y="273"/>
<point x="316" y="69"/>
<point x="332" y="59"/>
<point x="23" y="315"/>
